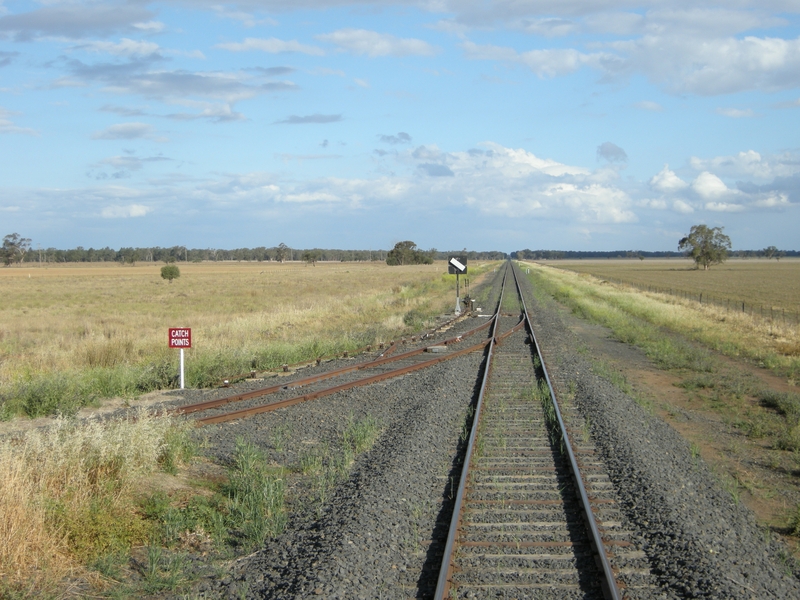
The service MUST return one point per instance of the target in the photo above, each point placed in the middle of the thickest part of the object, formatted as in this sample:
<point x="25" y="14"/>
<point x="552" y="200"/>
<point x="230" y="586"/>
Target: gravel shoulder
<point x="701" y="542"/>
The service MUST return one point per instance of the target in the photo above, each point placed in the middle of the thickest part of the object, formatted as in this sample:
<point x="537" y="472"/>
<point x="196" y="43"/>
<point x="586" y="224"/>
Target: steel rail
<point x="383" y="358"/>
<point x="248" y="412"/>
<point x="443" y="584"/>
<point x="609" y="584"/>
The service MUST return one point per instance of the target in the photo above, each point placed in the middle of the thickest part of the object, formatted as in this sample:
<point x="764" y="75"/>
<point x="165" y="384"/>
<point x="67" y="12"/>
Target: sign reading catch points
<point x="180" y="337"/>
<point x="457" y="265"/>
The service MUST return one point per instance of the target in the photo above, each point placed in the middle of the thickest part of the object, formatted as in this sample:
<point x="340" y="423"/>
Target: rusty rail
<point x="390" y="348"/>
<point x="248" y="412"/>
<point x="381" y="360"/>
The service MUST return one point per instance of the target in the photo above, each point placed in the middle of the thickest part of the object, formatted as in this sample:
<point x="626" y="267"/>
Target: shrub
<point x="170" y="272"/>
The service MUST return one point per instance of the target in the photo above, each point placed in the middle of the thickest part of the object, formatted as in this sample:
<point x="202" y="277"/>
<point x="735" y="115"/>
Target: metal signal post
<point x="457" y="265"/>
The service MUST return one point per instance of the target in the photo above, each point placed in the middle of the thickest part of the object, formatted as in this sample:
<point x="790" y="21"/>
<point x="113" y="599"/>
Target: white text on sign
<point x="180" y="337"/>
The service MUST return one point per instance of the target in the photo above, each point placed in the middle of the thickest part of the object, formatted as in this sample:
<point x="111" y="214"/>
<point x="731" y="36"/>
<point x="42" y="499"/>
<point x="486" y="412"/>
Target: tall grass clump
<point x="68" y="492"/>
<point x="788" y="404"/>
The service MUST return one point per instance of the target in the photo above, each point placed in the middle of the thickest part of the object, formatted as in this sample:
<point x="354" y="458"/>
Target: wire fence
<point x="760" y="311"/>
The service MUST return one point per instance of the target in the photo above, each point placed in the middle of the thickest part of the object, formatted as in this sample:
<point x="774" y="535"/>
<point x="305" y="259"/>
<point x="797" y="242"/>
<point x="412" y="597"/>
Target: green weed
<point x="255" y="496"/>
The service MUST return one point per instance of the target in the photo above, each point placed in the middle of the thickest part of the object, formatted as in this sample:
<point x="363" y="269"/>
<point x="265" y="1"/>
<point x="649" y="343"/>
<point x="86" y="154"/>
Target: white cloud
<point x="773" y="201"/>
<point x="124" y="131"/>
<point x="492" y="181"/>
<point x="656" y="204"/>
<point x="75" y="20"/>
<point x="374" y="44"/>
<point x="750" y="164"/>
<point x="700" y="50"/>
<point x="245" y="18"/>
<point x="272" y="46"/>
<point x="724" y="207"/>
<point x="150" y="26"/>
<point x="549" y="27"/>
<point x="649" y="105"/>
<point x="361" y="83"/>
<point x="125" y="47"/>
<point x="186" y="53"/>
<point x="545" y="63"/>
<point x="708" y="186"/>
<point x="125" y="212"/>
<point x="8" y="126"/>
<point x="735" y="113"/>
<point x="306" y="197"/>
<point x="593" y="203"/>
<point x="711" y="66"/>
<point x="682" y="207"/>
<point x="667" y="181"/>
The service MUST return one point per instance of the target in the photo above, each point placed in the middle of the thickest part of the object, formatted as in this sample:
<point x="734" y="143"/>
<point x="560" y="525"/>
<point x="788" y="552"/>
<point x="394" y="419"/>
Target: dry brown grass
<point x="28" y="550"/>
<point x="71" y="316"/>
<point x="67" y="494"/>
<point x="758" y="282"/>
<point x="104" y="327"/>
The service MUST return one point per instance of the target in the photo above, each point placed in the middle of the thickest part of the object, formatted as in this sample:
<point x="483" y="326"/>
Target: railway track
<point x="388" y="364"/>
<point x="534" y="512"/>
<point x="523" y="524"/>
<point x="526" y="522"/>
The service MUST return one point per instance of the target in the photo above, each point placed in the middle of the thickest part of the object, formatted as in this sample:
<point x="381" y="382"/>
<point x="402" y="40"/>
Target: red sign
<point x="180" y="337"/>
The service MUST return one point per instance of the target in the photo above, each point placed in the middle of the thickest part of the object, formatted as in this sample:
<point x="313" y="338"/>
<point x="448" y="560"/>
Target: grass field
<point x="758" y="282"/>
<point x="686" y="338"/>
<point x="772" y="345"/>
<point x="74" y="333"/>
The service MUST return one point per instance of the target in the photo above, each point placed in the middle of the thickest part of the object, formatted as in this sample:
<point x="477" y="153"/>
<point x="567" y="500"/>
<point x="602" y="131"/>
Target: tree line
<point x="705" y="245"/>
<point x="17" y="249"/>
<point x="770" y="252"/>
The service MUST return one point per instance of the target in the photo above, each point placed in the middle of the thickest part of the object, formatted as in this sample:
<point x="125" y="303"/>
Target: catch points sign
<point x="180" y="337"/>
<point x="457" y="265"/>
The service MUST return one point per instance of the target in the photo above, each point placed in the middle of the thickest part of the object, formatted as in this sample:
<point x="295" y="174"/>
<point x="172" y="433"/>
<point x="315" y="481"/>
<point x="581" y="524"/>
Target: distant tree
<point x="170" y="272"/>
<point x="14" y="248"/>
<point x="407" y="253"/>
<point x="311" y="257"/>
<point x="771" y="252"/>
<point x="706" y="246"/>
<point x="282" y="252"/>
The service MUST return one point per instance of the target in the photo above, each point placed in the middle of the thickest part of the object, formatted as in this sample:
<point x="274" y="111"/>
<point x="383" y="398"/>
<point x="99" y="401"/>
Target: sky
<point x="478" y="124"/>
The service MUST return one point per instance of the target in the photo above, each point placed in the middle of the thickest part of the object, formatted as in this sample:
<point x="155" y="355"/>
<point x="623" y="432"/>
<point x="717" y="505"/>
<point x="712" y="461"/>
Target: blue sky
<point x="570" y="124"/>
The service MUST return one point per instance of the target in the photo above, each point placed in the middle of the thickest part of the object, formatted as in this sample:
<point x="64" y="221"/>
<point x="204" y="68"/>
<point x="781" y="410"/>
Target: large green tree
<point x="14" y="248"/>
<point x="407" y="253"/>
<point x="706" y="245"/>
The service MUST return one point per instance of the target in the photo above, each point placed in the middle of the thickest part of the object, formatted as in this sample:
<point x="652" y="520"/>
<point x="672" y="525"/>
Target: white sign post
<point x="180" y="337"/>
